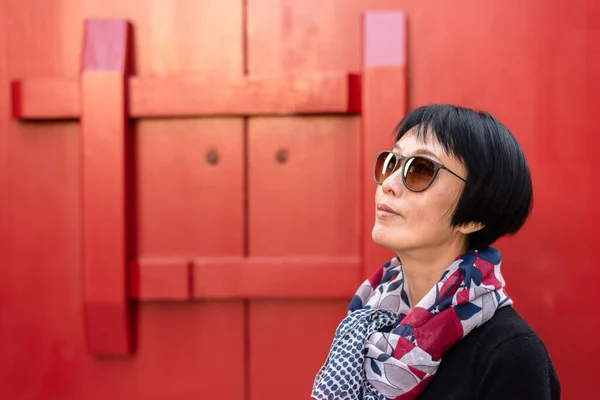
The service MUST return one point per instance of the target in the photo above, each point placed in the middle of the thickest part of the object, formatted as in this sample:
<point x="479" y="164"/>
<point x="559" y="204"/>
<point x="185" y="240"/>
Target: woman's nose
<point x="393" y="185"/>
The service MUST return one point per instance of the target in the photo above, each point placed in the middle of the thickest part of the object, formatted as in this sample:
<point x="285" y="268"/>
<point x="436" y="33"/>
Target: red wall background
<point x="535" y="64"/>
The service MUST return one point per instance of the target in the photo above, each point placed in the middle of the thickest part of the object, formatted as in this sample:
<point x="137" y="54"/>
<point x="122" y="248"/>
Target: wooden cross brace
<point x="105" y="96"/>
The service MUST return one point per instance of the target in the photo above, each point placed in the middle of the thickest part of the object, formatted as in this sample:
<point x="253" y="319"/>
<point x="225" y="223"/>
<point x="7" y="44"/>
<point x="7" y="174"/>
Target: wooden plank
<point x="45" y="98"/>
<point x="384" y="101"/>
<point x="276" y="324"/>
<point x="308" y="94"/>
<point x="163" y="280"/>
<point x="276" y="277"/>
<point x="176" y="341"/>
<point x="104" y="161"/>
<point x="314" y="209"/>
<point x="189" y="187"/>
<point x="259" y="277"/>
<point x="327" y="93"/>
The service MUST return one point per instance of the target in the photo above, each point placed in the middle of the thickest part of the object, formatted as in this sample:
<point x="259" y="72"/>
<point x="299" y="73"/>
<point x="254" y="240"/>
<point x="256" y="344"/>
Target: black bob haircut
<point x="498" y="191"/>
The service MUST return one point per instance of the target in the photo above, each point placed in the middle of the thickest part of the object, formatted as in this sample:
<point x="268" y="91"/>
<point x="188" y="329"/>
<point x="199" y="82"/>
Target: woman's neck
<point x="424" y="268"/>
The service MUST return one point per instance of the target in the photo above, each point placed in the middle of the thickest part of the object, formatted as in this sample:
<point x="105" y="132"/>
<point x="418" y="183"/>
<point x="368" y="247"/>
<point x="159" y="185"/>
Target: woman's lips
<point x="383" y="210"/>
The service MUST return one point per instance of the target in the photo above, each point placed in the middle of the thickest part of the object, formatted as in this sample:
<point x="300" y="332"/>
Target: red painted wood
<point x="384" y="99"/>
<point x="307" y="206"/>
<point x="288" y="322"/>
<point x="162" y="280"/>
<point x="538" y="75"/>
<point x="183" y="347"/>
<point x="192" y="350"/>
<point x="274" y="277"/>
<point x="187" y="206"/>
<point x="303" y="181"/>
<point x="106" y="47"/>
<point x="104" y="158"/>
<point x="317" y="93"/>
<point x="39" y="98"/>
<point x="41" y="296"/>
<point x="179" y="347"/>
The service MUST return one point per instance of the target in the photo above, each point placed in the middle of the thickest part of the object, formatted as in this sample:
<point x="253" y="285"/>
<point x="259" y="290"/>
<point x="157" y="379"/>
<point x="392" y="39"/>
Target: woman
<point x="435" y="321"/>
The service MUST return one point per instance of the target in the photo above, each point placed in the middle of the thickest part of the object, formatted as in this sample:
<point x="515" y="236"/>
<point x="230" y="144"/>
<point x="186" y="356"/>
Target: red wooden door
<point x="195" y="229"/>
<point x="201" y="225"/>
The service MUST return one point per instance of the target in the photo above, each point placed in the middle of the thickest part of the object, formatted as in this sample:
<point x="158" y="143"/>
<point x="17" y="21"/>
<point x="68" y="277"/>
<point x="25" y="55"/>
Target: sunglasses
<point x="418" y="173"/>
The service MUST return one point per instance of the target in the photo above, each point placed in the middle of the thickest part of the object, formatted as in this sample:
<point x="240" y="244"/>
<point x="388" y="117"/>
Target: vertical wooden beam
<point x="104" y="186"/>
<point x="384" y="103"/>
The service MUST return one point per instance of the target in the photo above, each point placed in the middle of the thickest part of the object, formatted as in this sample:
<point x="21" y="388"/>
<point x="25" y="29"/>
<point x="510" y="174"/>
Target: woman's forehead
<point x="427" y="145"/>
<point x="412" y="143"/>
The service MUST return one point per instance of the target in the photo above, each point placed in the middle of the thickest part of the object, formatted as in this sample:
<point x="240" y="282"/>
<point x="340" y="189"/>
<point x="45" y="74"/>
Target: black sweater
<point x="503" y="359"/>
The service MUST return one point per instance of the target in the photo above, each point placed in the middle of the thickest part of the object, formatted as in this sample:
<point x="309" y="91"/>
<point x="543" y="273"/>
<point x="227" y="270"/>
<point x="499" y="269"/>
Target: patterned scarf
<point x="384" y="349"/>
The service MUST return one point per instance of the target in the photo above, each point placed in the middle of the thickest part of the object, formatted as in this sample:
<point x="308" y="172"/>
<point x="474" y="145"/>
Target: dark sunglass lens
<point x="385" y="166"/>
<point x="418" y="173"/>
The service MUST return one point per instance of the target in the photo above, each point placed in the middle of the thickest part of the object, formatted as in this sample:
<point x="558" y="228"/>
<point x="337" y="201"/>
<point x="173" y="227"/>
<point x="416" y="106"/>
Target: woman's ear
<point x="471" y="227"/>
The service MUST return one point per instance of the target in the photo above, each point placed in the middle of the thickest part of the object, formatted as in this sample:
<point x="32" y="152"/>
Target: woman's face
<point x="420" y="220"/>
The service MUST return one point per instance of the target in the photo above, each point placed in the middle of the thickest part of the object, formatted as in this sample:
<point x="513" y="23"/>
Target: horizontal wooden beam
<point x="46" y="98"/>
<point x="310" y="94"/>
<point x="245" y="278"/>
<point x="323" y="93"/>
<point x="161" y="280"/>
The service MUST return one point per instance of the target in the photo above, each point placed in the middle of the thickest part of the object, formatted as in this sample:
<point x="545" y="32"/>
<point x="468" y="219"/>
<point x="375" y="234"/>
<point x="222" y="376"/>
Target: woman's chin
<point x="383" y="237"/>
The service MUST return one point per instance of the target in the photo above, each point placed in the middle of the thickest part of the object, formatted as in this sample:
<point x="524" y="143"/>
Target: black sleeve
<point x="519" y="368"/>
